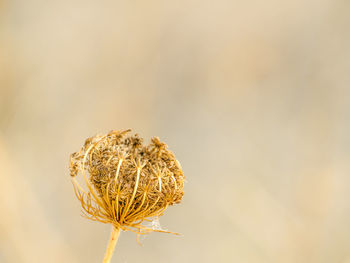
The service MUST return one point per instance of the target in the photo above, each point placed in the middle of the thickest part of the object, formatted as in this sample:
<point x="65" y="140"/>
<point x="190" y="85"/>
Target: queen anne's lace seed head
<point x="127" y="182"/>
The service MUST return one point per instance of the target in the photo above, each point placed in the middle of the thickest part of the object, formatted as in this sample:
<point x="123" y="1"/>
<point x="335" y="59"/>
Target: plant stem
<point x="111" y="245"/>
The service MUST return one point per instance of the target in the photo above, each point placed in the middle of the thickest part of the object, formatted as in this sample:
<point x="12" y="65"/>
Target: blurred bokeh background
<point x="252" y="96"/>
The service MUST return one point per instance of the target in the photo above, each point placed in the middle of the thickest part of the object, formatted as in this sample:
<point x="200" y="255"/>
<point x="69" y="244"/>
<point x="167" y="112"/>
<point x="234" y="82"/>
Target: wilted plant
<point x="127" y="182"/>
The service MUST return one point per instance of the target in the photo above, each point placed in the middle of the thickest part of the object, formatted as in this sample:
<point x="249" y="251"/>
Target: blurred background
<point x="252" y="96"/>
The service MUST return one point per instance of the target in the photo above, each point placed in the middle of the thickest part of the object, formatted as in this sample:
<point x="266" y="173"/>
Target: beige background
<point x="252" y="96"/>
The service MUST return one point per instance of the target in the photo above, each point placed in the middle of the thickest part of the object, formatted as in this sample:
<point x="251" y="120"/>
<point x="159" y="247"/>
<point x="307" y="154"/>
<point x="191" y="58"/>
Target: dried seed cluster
<point x="127" y="182"/>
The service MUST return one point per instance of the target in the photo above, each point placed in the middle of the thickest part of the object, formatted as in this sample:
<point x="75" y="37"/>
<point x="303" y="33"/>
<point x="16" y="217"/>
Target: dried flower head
<point x="127" y="182"/>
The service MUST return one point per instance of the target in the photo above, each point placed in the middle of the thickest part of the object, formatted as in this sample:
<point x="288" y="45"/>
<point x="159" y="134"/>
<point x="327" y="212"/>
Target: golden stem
<point x="160" y="183"/>
<point x="172" y="177"/>
<point x="117" y="172"/>
<point x="133" y="194"/>
<point x="111" y="245"/>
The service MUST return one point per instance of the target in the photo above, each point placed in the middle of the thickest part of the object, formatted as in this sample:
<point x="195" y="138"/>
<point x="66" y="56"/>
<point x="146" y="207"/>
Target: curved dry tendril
<point x="127" y="182"/>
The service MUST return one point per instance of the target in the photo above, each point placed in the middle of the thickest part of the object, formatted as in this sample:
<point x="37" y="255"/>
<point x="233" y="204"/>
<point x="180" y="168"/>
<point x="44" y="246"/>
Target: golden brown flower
<point x="127" y="182"/>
